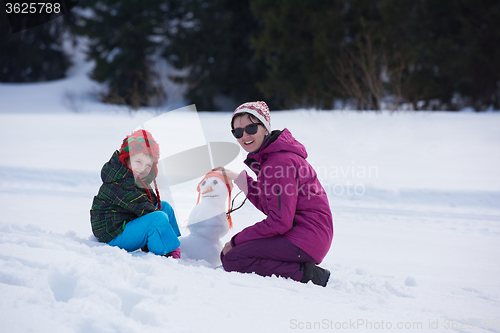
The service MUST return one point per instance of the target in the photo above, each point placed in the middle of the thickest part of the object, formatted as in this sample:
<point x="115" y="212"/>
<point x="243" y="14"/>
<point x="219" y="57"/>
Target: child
<point x="298" y="229"/>
<point x="126" y="212"/>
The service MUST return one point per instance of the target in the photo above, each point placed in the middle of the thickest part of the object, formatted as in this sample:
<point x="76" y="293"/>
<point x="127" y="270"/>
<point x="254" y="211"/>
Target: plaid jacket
<point x="119" y="200"/>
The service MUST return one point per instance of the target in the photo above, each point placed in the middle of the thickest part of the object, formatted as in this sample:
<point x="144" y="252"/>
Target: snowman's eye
<point x="204" y="182"/>
<point x="215" y="182"/>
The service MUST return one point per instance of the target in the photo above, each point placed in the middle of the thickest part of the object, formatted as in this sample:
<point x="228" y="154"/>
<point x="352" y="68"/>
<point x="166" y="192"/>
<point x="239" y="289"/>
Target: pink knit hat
<point x="259" y="110"/>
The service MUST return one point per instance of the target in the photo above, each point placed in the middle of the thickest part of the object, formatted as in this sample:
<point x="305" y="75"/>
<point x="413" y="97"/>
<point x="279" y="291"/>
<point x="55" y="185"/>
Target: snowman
<point x="208" y="221"/>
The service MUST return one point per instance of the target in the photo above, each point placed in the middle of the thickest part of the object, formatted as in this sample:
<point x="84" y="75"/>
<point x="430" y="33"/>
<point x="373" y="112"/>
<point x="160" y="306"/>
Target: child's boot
<point x="176" y="254"/>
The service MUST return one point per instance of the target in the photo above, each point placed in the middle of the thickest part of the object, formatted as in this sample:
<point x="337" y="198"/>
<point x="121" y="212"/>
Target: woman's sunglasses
<point x="250" y="129"/>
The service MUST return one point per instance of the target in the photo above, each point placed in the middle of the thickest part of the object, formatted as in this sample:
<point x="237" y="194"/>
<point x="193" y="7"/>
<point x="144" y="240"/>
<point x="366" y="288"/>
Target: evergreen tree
<point x="124" y="37"/>
<point x="35" y="54"/>
<point x="363" y="66"/>
<point x="297" y="40"/>
<point x="320" y="51"/>
<point x="459" y="59"/>
<point x="433" y="54"/>
<point x="453" y="47"/>
<point x="212" y="40"/>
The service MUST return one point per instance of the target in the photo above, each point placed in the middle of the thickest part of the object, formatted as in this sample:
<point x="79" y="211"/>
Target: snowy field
<point x="415" y="199"/>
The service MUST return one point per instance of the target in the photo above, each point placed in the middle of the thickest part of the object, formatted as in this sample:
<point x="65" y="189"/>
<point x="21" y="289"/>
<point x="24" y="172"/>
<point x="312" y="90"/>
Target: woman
<point x="298" y="230"/>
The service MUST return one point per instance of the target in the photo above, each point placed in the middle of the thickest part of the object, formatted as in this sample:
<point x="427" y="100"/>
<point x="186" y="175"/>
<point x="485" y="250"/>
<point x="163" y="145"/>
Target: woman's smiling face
<point x="250" y="142"/>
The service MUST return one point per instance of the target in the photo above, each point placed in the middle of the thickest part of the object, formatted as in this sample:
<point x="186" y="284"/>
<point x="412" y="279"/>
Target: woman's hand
<point x="226" y="248"/>
<point x="226" y="172"/>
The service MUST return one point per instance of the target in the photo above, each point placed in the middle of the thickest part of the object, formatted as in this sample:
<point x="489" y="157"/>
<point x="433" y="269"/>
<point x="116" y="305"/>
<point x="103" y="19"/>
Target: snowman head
<point x="215" y="187"/>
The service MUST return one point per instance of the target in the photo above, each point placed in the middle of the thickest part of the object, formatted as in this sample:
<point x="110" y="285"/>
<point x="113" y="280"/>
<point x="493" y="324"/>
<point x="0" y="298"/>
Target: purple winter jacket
<point x="289" y="193"/>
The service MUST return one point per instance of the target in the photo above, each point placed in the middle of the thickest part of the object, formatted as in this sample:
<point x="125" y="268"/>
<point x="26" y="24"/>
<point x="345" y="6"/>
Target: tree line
<point x="365" y="54"/>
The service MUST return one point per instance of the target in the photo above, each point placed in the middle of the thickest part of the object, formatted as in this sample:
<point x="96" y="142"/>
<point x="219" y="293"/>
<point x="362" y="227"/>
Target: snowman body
<point x="207" y="223"/>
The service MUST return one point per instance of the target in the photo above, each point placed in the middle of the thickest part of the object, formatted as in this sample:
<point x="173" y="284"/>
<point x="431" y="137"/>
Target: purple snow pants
<point x="265" y="257"/>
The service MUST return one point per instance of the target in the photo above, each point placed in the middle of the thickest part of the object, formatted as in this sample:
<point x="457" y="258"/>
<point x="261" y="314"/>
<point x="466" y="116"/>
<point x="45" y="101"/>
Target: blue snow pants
<point x="159" y="230"/>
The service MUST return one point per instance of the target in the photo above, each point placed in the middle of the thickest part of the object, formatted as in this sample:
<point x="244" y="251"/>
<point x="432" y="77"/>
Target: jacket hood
<point x="115" y="170"/>
<point x="278" y="141"/>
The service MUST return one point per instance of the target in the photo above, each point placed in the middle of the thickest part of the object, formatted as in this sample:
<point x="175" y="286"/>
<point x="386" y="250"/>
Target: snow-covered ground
<point x="415" y="198"/>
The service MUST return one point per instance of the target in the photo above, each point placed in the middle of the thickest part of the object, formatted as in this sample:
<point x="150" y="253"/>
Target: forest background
<point x="322" y="54"/>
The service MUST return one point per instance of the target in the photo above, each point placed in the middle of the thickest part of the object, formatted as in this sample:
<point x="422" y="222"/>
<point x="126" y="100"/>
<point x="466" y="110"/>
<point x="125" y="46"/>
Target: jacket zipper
<point x="279" y="199"/>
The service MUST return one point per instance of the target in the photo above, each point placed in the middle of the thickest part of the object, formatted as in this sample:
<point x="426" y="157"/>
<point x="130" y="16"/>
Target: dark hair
<point x="252" y="118"/>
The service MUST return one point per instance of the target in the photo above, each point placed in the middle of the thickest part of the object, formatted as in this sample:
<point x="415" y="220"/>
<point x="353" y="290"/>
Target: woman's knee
<point x="228" y="264"/>
<point x="236" y="261"/>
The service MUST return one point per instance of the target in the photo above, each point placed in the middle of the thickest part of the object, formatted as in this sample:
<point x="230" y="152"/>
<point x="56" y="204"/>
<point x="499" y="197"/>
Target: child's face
<point x="140" y="164"/>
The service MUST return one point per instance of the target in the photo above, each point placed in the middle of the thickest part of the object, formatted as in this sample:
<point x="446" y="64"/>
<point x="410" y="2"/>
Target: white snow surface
<point x="415" y="199"/>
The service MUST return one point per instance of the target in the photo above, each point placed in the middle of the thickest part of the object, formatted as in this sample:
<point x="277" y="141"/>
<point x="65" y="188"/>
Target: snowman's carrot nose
<point x="207" y="190"/>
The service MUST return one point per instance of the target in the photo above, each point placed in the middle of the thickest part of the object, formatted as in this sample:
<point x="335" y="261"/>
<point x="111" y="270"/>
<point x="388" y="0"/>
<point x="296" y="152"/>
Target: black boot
<point x="145" y="248"/>
<point x="315" y="274"/>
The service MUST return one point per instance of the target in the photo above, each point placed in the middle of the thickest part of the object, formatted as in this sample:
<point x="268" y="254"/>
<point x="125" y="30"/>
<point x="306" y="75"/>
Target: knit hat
<point x="259" y="110"/>
<point x="229" y="185"/>
<point x="141" y="141"/>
